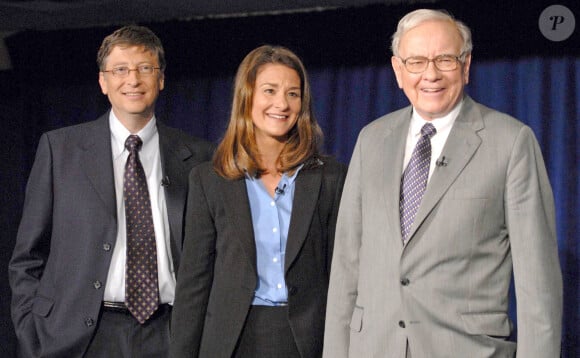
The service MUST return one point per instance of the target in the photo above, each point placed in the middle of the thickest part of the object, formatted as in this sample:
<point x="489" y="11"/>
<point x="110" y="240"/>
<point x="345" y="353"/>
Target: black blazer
<point x="65" y="241"/>
<point x="218" y="275"/>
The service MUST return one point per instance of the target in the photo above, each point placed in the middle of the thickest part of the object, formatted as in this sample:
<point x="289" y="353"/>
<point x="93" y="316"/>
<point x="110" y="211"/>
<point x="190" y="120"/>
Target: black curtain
<point x="515" y="70"/>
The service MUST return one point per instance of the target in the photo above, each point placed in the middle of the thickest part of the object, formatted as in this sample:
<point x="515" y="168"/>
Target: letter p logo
<point x="557" y="23"/>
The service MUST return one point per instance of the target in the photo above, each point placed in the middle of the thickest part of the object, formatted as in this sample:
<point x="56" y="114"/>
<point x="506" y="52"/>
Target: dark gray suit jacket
<point x="65" y="241"/>
<point x="218" y="275"/>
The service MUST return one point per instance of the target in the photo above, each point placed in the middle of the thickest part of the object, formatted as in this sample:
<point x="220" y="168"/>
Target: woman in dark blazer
<point x="260" y="223"/>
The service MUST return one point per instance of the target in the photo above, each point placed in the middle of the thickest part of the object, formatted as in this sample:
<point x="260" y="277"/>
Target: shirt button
<point x="401" y="324"/>
<point x="107" y="247"/>
<point x="272" y="203"/>
<point x="97" y="284"/>
<point x="275" y="229"/>
<point x="279" y="286"/>
<point x="89" y="322"/>
<point x="405" y="281"/>
<point x="275" y="259"/>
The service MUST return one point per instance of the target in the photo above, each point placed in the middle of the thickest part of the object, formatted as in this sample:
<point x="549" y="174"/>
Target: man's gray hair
<point x="417" y="17"/>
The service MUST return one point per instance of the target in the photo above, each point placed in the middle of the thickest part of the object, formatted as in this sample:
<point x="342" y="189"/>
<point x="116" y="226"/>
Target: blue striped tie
<point x="414" y="180"/>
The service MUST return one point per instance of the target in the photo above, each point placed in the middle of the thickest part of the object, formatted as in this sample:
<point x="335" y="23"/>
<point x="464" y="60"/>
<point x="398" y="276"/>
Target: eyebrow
<point x="125" y="63"/>
<point x="276" y="85"/>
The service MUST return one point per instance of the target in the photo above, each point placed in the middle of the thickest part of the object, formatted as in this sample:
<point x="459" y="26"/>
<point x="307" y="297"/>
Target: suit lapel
<point x="235" y="197"/>
<point x="98" y="164"/>
<point x="175" y="173"/>
<point x="304" y="203"/>
<point x="392" y="153"/>
<point x="461" y="145"/>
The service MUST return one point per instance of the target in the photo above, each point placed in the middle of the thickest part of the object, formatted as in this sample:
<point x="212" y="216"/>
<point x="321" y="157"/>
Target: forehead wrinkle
<point x="128" y="54"/>
<point x="431" y="39"/>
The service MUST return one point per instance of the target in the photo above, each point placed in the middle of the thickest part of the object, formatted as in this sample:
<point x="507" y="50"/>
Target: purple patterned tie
<point x="414" y="180"/>
<point x="141" y="281"/>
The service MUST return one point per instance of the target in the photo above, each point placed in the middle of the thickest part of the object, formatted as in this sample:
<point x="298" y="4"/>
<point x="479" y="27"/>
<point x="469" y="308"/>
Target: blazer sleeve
<point x="343" y="284"/>
<point x="195" y="274"/>
<point x="31" y="251"/>
<point x="530" y="220"/>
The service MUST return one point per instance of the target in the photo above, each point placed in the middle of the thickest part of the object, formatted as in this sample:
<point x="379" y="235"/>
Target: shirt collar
<point x="285" y="178"/>
<point x="441" y="124"/>
<point x="119" y="133"/>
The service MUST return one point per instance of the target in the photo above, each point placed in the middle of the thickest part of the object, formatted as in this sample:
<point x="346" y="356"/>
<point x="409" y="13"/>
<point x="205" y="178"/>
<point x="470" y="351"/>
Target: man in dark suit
<point x="443" y="202"/>
<point x="70" y="270"/>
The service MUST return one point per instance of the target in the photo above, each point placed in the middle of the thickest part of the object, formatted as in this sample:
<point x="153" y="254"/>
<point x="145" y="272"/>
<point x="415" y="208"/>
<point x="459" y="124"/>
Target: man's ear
<point x="102" y="83"/>
<point x="161" y="81"/>
<point x="397" y="68"/>
<point x="466" y="66"/>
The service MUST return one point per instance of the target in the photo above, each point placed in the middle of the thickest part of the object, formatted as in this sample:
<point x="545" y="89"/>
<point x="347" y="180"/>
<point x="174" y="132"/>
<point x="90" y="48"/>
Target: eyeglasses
<point x="418" y="64"/>
<point x="123" y="71"/>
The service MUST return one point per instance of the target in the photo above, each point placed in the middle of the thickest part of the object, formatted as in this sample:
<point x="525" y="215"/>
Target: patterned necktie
<point x="141" y="281"/>
<point x="414" y="180"/>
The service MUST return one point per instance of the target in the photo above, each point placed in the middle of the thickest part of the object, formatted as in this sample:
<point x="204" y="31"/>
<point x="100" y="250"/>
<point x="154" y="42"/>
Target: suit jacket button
<point x="97" y="284"/>
<point x="292" y="290"/>
<point x="89" y="322"/>
<point x="402" y="324"/>
<point x="405" y="281"/>
<point x="107" y="247"/>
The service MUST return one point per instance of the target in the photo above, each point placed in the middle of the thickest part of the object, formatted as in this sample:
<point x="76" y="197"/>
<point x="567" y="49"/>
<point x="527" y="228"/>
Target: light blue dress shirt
<point x="271" y="220"/>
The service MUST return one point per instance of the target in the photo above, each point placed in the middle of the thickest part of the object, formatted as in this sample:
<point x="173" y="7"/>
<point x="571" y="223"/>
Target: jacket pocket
<point x="42" y="306"/>
<point x="490" y="324"/>
<point x="356" y="320"/>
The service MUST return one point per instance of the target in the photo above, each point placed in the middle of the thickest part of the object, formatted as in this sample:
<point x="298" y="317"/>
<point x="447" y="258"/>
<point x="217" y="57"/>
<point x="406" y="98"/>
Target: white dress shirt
<point x="151" y="160"/>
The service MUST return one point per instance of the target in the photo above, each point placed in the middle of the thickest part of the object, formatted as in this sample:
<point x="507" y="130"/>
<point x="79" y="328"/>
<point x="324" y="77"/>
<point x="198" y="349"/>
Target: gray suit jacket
<point x="59" y="267"/>
<point x="487" y="213"/>
<point x="218" y="275"/>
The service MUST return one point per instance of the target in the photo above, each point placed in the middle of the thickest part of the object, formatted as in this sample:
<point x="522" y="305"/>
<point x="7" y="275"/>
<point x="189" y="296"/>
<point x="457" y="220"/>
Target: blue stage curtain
<point x="543" y="92"/>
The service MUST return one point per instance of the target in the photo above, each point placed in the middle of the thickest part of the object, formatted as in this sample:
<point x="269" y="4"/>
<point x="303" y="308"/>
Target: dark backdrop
<point x="515" y="70"/>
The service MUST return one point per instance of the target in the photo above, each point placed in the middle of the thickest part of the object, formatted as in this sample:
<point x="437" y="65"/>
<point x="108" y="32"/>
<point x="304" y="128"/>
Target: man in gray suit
<point x="443" y="201"/>
<point x="69" y="272"/>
